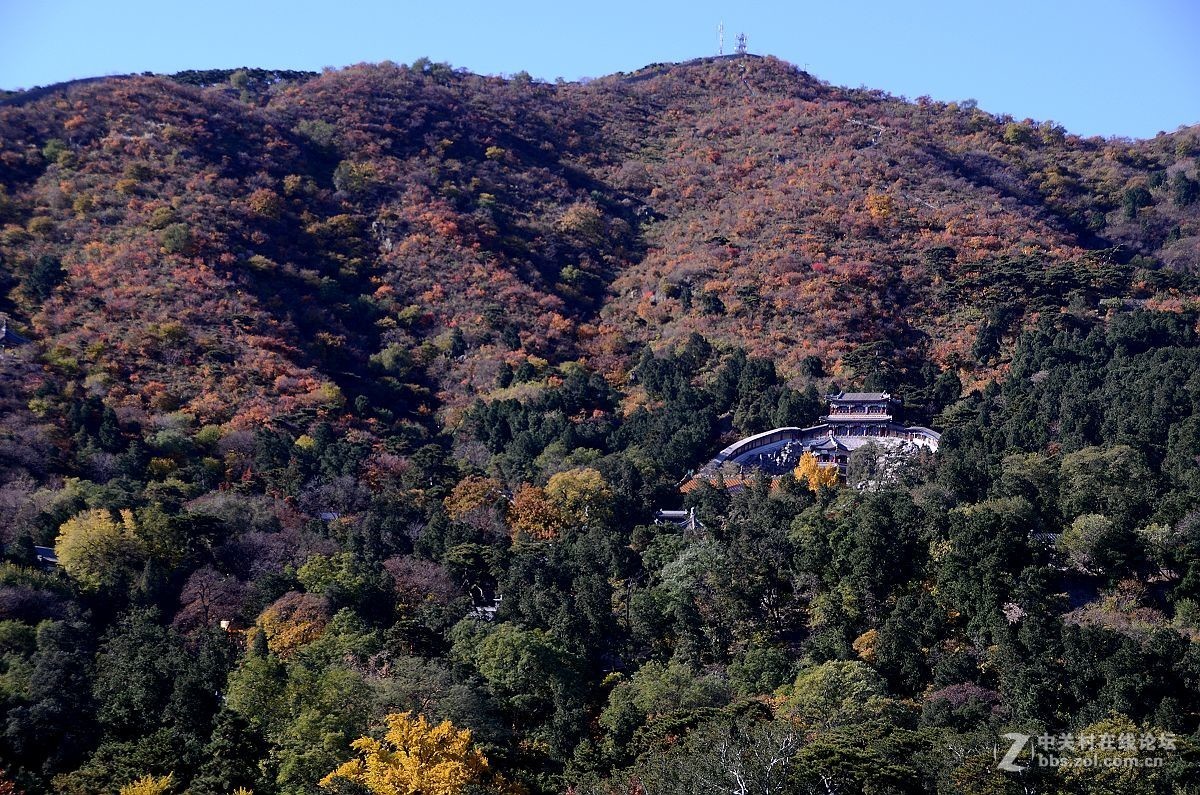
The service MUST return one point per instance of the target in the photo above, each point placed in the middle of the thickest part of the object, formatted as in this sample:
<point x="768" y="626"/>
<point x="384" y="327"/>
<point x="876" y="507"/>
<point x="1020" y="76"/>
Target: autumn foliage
<point x="535" y="515"/>
<point x="416" y="756"/>
<point x="814" y="474"/>
<point x="96" y="548"/>
<point x="267" y="248"/>
<point x="293" y="621"/>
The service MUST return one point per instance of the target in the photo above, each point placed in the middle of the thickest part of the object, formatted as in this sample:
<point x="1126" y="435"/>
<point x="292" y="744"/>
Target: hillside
<point x="351" y="396"/>
<point x="296" y="232"/>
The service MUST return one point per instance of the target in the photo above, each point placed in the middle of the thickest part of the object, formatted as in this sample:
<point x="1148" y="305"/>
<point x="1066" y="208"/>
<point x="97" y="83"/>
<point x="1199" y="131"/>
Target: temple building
<point x="855" y="419"/>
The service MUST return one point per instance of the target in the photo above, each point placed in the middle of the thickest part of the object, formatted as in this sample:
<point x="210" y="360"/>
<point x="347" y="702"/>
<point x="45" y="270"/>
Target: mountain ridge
<point x="735" y="197"/>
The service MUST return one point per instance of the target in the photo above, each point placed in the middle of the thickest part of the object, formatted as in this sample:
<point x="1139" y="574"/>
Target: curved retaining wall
<point x="776" y="435"/>
<point x="743" y="446"/>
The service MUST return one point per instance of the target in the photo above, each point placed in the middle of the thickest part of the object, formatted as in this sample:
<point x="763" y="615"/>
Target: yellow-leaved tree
<point x="293" y="621"/>
<point x="583" y="497"/>
<point x="150" y="785"/>
<point x="477" y="501"/>
<point x="575" y="498"/>
<point x="810" y="471"/>
<point x="98" y="550"/>
<point x="534" y="515"/>
<point x="415" y="756"/>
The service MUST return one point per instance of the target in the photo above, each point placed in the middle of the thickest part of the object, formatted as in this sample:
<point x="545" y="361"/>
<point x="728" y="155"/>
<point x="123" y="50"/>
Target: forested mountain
<point x="349" y="399"/>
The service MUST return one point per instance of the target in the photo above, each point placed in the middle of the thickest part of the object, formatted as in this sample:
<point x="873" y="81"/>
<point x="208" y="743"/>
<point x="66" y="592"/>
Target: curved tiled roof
<point x="864" y="396"/>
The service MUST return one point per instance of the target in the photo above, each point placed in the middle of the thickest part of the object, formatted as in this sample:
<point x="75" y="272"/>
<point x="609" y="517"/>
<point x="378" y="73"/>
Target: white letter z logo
<point x="1018" y="745"/>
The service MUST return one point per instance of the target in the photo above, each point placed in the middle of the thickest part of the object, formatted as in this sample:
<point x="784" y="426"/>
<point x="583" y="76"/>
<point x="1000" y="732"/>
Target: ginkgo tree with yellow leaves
<point x="150" y="785"/>
<point x="810" y="471"/>
<point x="575" y="498"/>
<point x="161" y="785"/>
<point x="416" y="756"/>
<point x="97" y="550"/>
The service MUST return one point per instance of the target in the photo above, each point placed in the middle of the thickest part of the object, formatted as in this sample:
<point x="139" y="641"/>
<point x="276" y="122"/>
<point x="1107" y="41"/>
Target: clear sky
<point x="1099" y="67"/>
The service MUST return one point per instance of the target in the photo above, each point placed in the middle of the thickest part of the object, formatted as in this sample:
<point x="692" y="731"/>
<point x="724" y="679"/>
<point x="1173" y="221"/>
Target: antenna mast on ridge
<point x="741" y="44"/>
<point x="721" y="38"/>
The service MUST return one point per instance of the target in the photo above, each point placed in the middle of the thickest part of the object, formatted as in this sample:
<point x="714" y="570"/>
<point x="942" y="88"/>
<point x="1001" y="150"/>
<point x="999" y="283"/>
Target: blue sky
<point x="1099" y="67"/>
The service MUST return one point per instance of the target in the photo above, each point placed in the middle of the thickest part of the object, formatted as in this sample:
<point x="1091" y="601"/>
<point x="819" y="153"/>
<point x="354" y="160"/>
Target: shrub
<point x="176" y="239"/>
